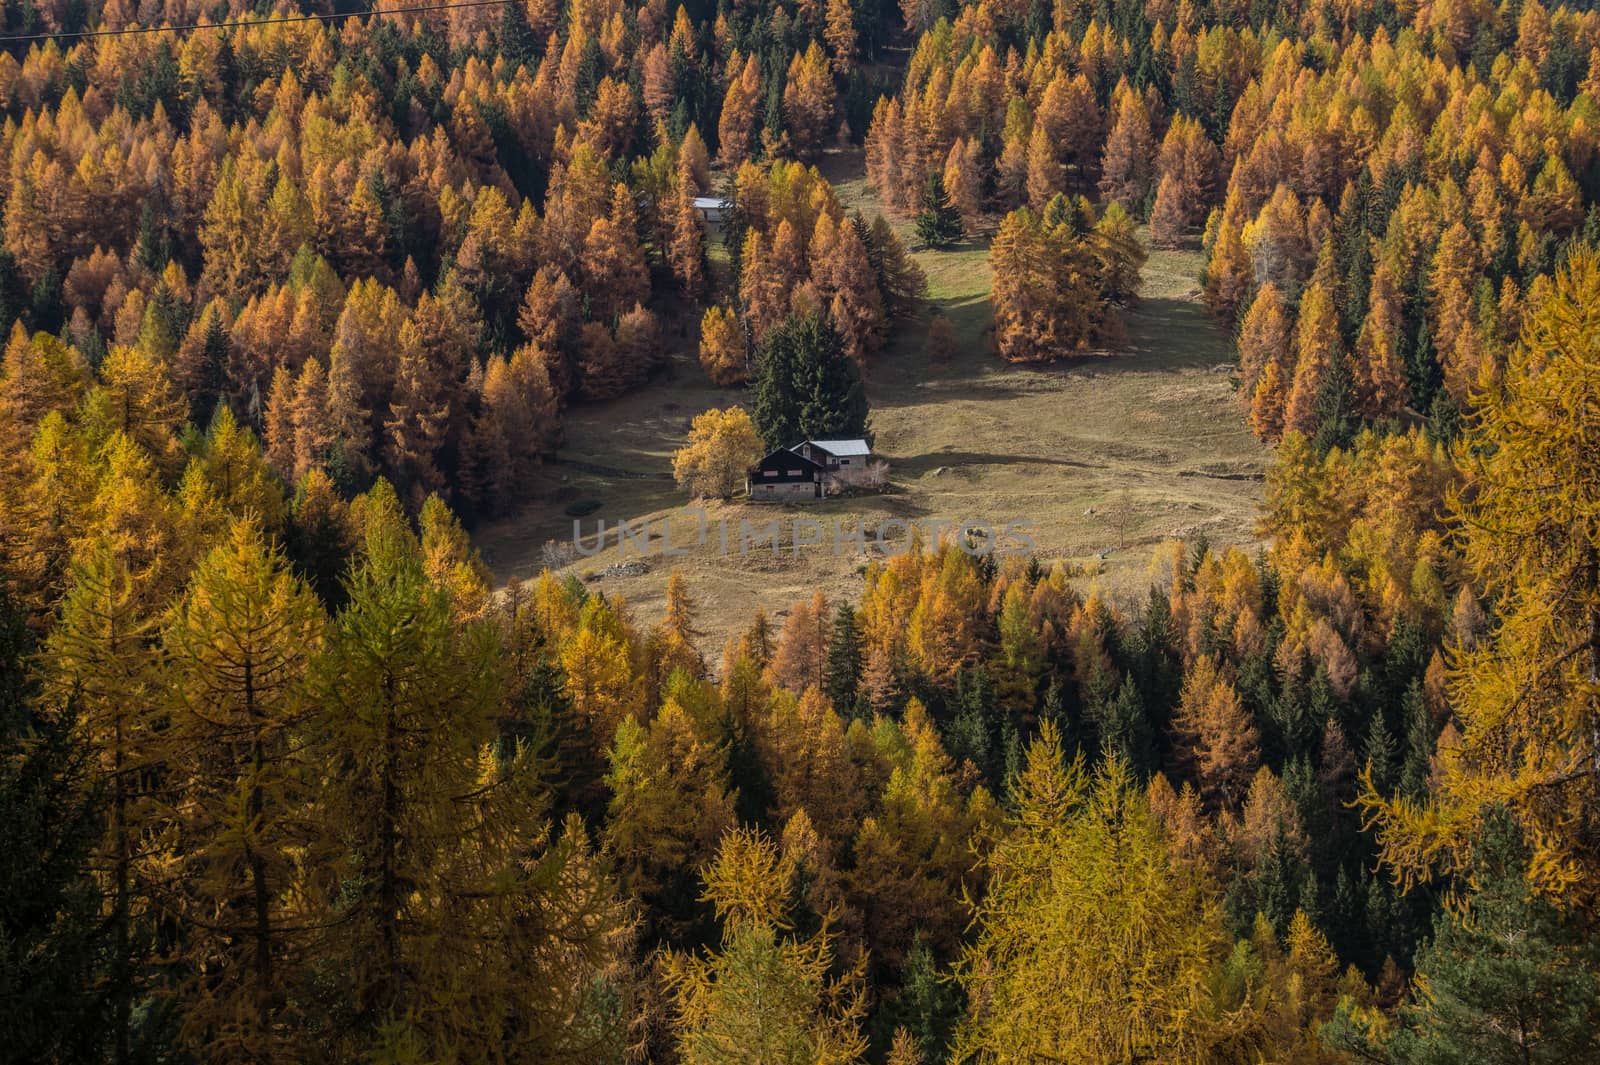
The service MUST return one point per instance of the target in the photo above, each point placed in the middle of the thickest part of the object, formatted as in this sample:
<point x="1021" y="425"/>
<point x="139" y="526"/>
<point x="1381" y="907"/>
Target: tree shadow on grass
<point x="1164" y="334"/>
<point x="917" y="465"/>
<point x="1167" y="333"/>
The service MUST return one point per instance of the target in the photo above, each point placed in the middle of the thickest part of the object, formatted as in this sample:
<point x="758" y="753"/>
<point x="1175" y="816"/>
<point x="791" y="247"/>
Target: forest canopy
<point x="291" y="303"/>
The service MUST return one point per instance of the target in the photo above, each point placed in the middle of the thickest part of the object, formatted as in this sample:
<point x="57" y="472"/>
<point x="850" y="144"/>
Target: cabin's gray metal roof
<point x="841" y="448"/>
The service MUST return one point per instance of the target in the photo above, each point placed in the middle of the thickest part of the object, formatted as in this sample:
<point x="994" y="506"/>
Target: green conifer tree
<point x="938" y="224"/>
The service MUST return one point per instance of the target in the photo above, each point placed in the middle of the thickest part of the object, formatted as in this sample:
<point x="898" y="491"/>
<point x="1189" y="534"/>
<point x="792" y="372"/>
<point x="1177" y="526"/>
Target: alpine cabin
<point x="785" y="474"/>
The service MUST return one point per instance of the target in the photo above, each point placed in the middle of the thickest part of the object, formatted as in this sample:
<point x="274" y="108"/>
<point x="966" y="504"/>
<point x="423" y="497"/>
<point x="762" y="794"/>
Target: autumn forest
<point x="298" y="296"/>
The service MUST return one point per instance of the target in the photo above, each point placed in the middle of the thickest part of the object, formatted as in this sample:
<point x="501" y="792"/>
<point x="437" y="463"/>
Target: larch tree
<point x="136" y="397"/>
<point x="38" y="375"/>
<point x="739" y="110"/>
<point x="722" y="347"/>
<point x="693" y="154"/>
<point x="1169" y="215"/>
<point x="913" y="857"/>
<point x="765" y="996"/>
<point x="841" y="268"/>
<point x="485" y="473"/>
<point x="809" y="100"/>
<point x="963" y="179"/>
<point x="903" y="1048"/>
<point x="424" y="816"/>
<point x="602" y="368"/>
<point x="1058" y="278"/>
<point x="638" y="344"/>
<point x="1119" y="257"/>
<point x="238" y="651"/>
<point x="677" y="633"/>
<point x="1011" y="168"/>
<point x="597" y="662"/>
<point x="313" y="431"/>
<point x="231" y="464"/>
<point x="723" y="445"/>
<point x="549" y="319"/>
<point x="1278" y="241"/>
<point x="1045" y="179"/>
<point x="1083" y="883"/>
<point x="279" y="422"/>
<point x="101" y="666"/>
<point x="801" y="659"/>
<point x="1128" y="166"/>
<point x="1317" y="348"/>
<point x="1529" y="727"/>
<point x="1263" y="339"/>
<point x="1229" y="274"/>
<point x="1266" y="404"/>
<point x="1378" y="371"/>
<point x="613" y="259"/>
<point x="659" y="88"/>
<point x="1219" y="732"/>
<point x="1453" y="316"/>
<point x="840" y="33"/>
<point x="417" y="422"/>
<point x="687" y="251"/>
<point x="668" y="806"/>
<point x="1023" y="289"/>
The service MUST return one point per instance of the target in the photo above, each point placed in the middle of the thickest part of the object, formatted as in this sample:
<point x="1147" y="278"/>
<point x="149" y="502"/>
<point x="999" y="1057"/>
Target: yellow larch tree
<point x="1092" y="945"/>
<point x="1524" y="697"/>
<point x="766" y="996"/>
<point x="238" y="650"/>
<point x="723" y="445"/>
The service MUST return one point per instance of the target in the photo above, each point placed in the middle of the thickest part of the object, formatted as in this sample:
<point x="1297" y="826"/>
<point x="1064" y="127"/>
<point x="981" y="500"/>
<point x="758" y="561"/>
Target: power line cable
<point x="245" y="24"/>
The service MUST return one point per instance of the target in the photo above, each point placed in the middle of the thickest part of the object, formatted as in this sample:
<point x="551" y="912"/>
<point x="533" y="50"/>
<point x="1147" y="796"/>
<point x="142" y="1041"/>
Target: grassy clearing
<point x="1102" y="457"/>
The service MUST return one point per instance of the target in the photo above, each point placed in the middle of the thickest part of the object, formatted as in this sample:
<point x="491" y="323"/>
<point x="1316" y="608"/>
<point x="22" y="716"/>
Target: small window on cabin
<point x="844" y="462"/>
<point x="769" y="473"/>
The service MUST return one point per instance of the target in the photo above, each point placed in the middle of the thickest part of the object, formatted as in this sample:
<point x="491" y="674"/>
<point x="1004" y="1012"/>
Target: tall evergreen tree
<point x="807" y="387"/>
<point x="765" y="995"/>
<point x="101" y="669"/>
<point x="1083" y="885"/>
<point x="939" y="222"/>
<point x="844" y="660"/>
<point x="1508" y="978"/>
<point x="54" y="1006"/>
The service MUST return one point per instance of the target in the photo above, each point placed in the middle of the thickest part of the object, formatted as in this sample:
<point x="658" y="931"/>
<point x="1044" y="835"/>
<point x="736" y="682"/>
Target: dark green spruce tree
<point x="806" y="386"/>
<point x="938" y="224"/>
<point x="1508" y="978"/>
<point x="844" y="661"/>
<point x="53" y="944"/>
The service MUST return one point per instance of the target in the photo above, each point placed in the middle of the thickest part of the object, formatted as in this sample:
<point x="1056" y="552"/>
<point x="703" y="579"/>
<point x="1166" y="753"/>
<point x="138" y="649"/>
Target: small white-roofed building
<point x="844" y="460"/>
<point x="713" y="212"/>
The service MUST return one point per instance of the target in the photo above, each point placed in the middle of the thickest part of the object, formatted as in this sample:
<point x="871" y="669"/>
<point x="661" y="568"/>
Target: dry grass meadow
<point x="1103" y="457"/>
